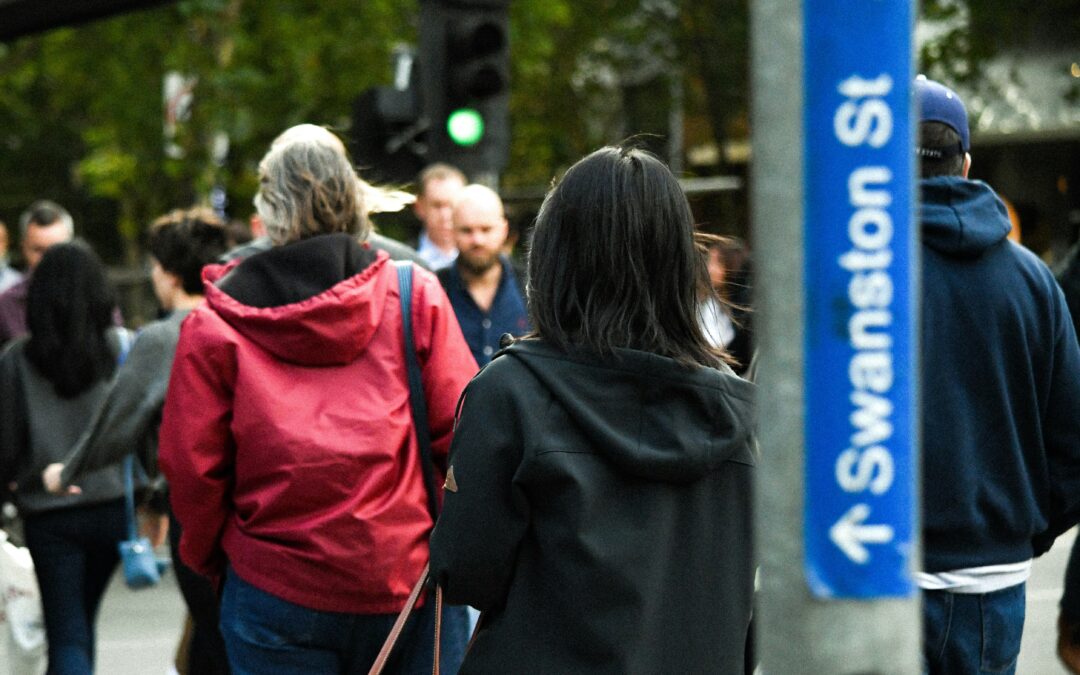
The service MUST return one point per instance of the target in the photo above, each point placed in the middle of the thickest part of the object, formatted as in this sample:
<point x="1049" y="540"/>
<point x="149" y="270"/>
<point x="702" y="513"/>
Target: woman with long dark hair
<point x="179" y="244"/>
<point x="51" y="384"/>
<point x="598" y="505"/>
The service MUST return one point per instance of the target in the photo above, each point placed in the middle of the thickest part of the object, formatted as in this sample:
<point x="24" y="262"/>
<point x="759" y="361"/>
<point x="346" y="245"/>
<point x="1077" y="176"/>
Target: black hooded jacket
<point x="599" y="511"/>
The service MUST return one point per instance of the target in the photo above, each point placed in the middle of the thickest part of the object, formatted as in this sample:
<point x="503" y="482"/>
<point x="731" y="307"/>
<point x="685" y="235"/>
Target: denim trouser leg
<point x="265" y="634"/>
<point x="454" y="638"/>
<point x="972" y="634"/>
<point x="74" y="552"/>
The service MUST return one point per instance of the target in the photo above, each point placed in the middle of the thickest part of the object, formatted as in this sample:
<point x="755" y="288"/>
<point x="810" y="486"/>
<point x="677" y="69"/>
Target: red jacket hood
<point x="330" y="328"/>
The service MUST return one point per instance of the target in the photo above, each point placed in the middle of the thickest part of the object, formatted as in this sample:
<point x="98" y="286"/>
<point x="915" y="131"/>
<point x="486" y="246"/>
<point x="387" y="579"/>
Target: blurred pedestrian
<point x="438" y="186"/>
<point x="725" y="312"/>
<point x="51" y="384"/>
<point x="598" y="504"/>
<point x="1068" y="625"/>
<point x="484" y="289"/>
<point x="41" y="225"/>
<point x="1069" y="619"/>
<point x="180" y="243"/>
<point x="287" y="436"/>
<point x="1068" y="276"/>
<point x="9" y="276"/>
<point x="1000" y="386"/>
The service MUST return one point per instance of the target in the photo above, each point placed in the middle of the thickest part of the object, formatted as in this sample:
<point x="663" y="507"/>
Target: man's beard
<point x="477" y="265"/>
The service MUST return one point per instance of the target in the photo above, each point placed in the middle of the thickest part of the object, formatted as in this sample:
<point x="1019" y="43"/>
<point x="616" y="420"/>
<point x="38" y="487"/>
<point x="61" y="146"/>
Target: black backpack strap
<point x="417" y="401"/>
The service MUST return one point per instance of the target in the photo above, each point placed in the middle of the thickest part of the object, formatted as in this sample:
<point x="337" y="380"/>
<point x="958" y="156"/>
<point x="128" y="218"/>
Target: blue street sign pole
<point x="860" y="327"/>
<point x="837" y="308"/>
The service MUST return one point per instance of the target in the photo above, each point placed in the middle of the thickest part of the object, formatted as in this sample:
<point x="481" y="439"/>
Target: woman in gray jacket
<point x="51" y="383"/>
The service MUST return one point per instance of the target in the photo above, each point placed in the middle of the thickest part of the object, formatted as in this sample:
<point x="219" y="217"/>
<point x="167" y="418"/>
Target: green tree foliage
<point x="81" y="108"/>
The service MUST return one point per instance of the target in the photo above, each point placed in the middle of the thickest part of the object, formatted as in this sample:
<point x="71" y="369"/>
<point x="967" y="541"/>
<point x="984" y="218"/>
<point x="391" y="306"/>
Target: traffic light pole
<point x="836" y="594"/>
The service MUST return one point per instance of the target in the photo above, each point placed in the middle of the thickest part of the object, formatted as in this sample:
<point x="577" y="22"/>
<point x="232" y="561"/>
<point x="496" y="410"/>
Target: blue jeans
<point x="972" y="634"/>
<point x="265" y="634"/>
<point x="74" y="552"/>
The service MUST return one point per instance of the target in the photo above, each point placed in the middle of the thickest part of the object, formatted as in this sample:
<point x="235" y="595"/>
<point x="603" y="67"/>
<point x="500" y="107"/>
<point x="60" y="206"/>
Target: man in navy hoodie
<point x="1000" y="401"/>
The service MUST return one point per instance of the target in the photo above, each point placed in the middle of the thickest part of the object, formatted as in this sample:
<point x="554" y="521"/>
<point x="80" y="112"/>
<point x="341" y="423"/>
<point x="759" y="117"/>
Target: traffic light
<point x="465" y="71"/>
<point x="388" y="129"/>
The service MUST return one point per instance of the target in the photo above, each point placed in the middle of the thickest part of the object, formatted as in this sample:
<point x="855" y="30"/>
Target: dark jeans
<point x="972" y="634"/>
<point x="206" y="650"/>
<point x="75" y="553"/>
<point x="265" y="634"/>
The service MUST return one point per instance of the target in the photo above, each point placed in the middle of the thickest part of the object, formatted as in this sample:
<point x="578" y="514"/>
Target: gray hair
<point x="44" y="213"/>
<point x="308" y="187"/>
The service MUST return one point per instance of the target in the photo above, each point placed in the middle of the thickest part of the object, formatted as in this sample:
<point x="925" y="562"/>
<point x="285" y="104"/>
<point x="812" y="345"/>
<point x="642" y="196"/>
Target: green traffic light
<point x="465" y="126"/>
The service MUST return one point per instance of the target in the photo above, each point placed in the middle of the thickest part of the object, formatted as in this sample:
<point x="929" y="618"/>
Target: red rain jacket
<point x="287" y="436"/>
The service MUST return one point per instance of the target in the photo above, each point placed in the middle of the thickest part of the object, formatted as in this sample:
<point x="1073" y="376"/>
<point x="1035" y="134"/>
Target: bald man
<point x="484" y="290"/>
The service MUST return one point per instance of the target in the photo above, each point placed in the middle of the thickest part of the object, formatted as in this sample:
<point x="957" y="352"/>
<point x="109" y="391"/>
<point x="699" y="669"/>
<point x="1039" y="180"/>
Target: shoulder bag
<point x="419" y="412"/>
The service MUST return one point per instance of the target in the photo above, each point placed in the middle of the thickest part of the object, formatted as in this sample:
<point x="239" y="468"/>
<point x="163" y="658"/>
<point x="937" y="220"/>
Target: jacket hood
<point x="649" y="415"/>
<point x="315" y="302"/>
<point x="961" y="217"/>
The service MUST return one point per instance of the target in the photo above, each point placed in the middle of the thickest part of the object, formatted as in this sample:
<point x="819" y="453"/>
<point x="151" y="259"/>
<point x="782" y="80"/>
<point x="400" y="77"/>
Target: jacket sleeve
<point x="447" y="364"/>
<point x="196" y="448"/>
<point x="1061" y="425"/>
<point x="129" y="415"/>
<point x="485" y="512"/>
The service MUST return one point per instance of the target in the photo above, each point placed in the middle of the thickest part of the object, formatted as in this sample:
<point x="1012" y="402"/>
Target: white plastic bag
<point x="22" y="629"/>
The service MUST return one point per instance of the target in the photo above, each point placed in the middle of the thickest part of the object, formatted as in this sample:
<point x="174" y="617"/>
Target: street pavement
<point x="1038" y="651"/>
<point x="138" y="630"/>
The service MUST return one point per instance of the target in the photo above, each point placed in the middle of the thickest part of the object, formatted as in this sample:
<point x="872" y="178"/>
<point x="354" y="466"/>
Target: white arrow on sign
<point x="850" y="534"/>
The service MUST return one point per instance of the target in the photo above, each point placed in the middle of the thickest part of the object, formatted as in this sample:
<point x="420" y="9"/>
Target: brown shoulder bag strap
<point x="399" y="625"/>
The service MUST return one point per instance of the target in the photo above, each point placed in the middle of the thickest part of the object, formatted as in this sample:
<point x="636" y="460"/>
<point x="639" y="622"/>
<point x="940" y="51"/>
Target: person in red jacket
<point x="287" y="436"/>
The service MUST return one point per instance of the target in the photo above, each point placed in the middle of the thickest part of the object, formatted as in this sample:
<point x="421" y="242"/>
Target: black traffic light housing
<point x="465" y="72"/>
<point x="388" y="134"/>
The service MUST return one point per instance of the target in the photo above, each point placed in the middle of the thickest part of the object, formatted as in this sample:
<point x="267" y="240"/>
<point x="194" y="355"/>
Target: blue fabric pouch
<point x="141" y="567"/>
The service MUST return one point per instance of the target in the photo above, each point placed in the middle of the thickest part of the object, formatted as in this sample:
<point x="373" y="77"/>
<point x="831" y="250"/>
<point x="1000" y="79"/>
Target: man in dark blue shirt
<point x="483" y="288"/>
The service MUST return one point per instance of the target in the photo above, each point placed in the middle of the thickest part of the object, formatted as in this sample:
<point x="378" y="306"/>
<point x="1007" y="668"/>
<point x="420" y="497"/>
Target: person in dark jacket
<point x="51" y="384"/>
<point x="1068" y="277"/>
<point x="598" y="505"/>
<point x="180" y="243"/>
<point x="1069" y="620"/>
<point x="1000" y="385"/>
<point x="287" y="435"/>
